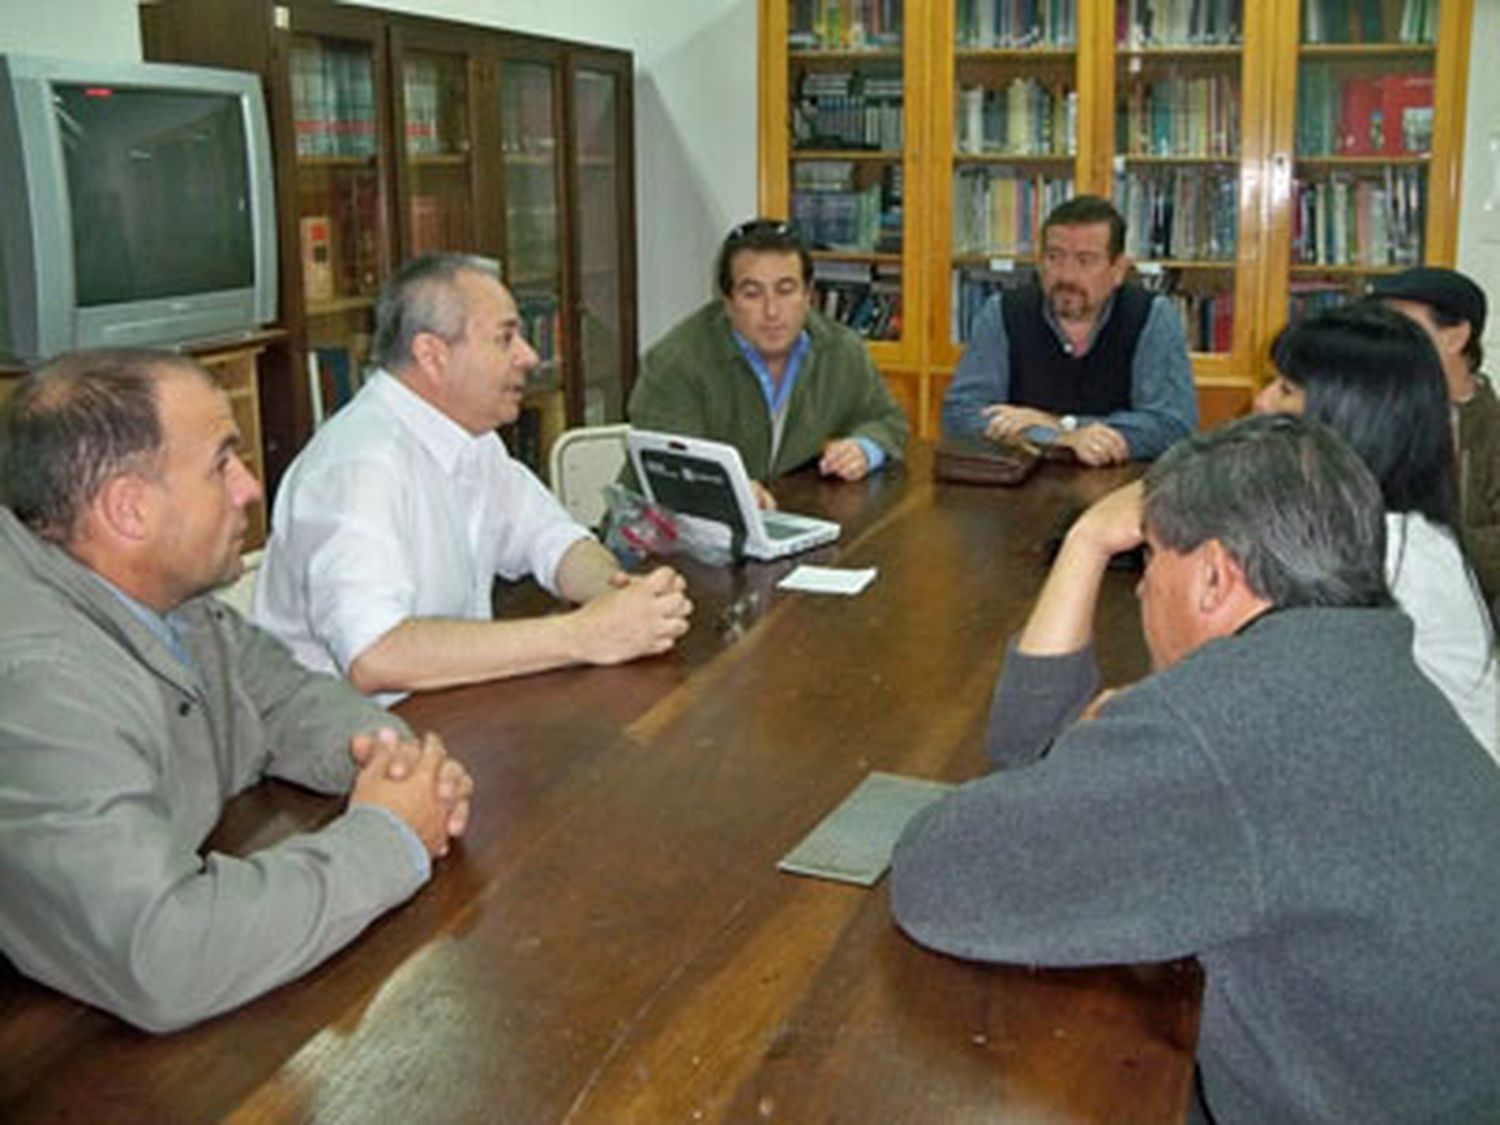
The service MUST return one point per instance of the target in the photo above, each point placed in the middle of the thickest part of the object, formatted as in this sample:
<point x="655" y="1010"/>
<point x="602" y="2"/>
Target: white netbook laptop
<point x="706" y="481"/>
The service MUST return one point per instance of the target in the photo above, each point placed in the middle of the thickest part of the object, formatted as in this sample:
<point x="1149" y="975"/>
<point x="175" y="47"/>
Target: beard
<point x="1068" y="302"/>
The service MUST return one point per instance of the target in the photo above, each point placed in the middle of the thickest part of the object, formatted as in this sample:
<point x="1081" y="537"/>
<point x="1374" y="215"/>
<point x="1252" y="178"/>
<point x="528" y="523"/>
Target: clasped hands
<point x="415" y="779"/>
<point x="639" y="615"/>
<point x="1095" y="444"/>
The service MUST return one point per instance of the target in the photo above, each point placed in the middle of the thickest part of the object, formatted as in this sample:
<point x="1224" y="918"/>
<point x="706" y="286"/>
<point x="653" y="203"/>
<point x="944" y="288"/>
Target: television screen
<point x="159" y="188"/>
<point x="136" y="206"/>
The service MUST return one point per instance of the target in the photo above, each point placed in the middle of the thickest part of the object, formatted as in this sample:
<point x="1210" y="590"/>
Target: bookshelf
<point x="397" y="134"/>
<point x="1268" y="157"/>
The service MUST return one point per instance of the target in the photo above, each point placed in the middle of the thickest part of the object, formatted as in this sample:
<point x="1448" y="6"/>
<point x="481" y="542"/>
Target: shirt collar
<point x="442" y="437"/>
<point x="163" y="626"/>
<point x="776" y="395"/>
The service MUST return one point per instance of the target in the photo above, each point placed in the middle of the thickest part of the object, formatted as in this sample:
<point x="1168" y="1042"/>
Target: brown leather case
<point x="982" y="461"/>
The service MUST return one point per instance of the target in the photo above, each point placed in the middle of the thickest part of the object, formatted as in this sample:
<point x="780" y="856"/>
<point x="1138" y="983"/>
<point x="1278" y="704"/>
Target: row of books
<point x="1311" y="296"/>
<point x="1180" y="115"/>
<point x="1369" y="21"/>
<point x="1346" y="220"/>
<point x="865" y="297"/>
<point x="1158" y="23"/>
<point x="428" y="130"/>
<point x="1016" y="23"/>
<point x="541" y="324"/>
<point x="333" y="378"/>
<point x="973" y="286"/>
<point x="340" y="248"/>
<point x="1024" y="117"/>
<point x="1188" y="214"/>
<point x="840" y="220"/>
<point x="848" y="109"/>
<point x="844" y="25"/>
<point x="1363" y="115"/>
<point x="998" y="211"/>
<point x="832" y="209"/>
<point x="333" y="99"/>
<point x="1207" y="316"/>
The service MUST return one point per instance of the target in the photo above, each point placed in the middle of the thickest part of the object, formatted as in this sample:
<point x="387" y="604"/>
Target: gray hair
<point x="74" y="423"/>
<point x="423" y="296"/>
<point x="1291" y="502"/>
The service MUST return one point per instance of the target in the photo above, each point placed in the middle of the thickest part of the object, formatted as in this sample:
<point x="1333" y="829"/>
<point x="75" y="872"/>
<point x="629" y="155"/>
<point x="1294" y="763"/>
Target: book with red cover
<point x="1364" y="125"/>
<point x="1407" y="105"/>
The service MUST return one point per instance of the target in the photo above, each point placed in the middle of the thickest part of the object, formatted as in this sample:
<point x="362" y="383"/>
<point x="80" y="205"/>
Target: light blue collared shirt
<point x="778" y="396"/>
<point x="163" y="627"/>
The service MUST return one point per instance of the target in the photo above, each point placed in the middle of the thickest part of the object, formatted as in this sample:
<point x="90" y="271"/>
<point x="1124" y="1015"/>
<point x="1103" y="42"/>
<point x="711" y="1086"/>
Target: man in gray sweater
<point x="1286" y="797"/>
<point x="132" y="706"/>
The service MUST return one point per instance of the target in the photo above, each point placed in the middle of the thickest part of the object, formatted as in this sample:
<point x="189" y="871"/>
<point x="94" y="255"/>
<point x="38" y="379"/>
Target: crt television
<point x="136" y="205"/>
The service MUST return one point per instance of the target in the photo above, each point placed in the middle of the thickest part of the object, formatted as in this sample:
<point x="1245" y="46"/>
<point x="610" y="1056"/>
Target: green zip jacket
<point x="1479" y="477"/>
<point x="115" y="763"/>
<point x="695" y="381"/>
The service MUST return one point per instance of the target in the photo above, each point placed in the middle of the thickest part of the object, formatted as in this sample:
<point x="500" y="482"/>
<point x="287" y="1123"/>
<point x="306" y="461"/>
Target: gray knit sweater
<point x="1297" y="807"/>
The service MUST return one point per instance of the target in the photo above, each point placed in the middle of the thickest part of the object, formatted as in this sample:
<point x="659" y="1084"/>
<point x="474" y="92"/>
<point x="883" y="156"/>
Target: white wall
<point x="1479" y="209"/>
<point x="71" y="29"/>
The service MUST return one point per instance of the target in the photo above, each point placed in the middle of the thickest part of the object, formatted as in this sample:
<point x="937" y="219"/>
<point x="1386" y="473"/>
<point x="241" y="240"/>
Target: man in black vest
<point x="1082" y="359"/>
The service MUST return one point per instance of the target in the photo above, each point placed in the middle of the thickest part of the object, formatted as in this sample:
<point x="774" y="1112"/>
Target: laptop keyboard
<point x="778" y="527"/>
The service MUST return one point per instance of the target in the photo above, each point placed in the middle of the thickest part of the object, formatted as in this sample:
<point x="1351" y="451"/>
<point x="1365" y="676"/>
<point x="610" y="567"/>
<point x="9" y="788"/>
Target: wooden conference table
<point x="612" y="942"/>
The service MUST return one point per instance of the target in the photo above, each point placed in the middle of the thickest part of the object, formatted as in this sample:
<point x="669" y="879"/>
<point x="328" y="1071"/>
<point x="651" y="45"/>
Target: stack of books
<point x="1179" y="213"/>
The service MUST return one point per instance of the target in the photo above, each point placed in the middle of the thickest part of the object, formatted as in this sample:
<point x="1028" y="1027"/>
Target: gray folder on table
<point x="853" y="843"/>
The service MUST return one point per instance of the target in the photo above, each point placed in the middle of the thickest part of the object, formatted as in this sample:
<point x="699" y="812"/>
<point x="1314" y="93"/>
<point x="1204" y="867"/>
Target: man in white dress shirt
<point x="392" y="523"/>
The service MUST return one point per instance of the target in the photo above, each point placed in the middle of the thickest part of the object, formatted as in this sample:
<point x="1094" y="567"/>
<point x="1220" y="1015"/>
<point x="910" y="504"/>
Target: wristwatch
<point x="1068" y="423"/>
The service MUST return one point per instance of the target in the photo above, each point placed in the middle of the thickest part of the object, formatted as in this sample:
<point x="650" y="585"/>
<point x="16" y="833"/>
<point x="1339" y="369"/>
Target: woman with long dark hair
<point x="1373" y="376"/>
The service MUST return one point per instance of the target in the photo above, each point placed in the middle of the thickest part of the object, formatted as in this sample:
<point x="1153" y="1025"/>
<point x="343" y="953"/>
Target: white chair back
<point x="583" y="462"/>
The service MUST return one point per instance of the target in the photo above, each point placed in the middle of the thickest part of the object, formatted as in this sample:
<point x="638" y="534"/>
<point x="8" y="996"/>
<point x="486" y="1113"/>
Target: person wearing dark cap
<point x="1452" y="309"/>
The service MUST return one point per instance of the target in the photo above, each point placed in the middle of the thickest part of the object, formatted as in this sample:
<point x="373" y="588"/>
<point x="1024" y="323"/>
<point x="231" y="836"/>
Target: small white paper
<point x="828" y="579"/>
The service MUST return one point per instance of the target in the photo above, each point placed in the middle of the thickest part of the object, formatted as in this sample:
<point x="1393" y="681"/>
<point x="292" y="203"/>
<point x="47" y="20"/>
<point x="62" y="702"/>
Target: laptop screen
<point x="694" y="485"/>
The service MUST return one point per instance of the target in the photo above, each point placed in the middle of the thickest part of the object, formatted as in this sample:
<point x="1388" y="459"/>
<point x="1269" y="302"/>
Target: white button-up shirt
<point x="395" y="511"/>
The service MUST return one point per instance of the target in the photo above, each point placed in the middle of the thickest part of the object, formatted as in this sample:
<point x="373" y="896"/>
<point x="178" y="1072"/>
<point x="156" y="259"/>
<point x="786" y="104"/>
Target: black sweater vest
<point x="1043" y="375"/>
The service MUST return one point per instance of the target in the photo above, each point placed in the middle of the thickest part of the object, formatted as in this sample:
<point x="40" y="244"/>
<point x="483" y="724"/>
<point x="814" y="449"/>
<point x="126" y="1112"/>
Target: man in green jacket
<point x="133" y="706"/>
<point x="761" y="369"/>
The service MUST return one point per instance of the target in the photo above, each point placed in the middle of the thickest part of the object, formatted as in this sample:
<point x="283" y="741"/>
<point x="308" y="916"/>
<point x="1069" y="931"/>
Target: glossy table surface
<point x="612" y="941"/>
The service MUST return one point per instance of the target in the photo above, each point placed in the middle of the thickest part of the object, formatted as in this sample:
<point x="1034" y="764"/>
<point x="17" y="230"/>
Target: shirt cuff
<point x="421" y="861"/>
<point x="873" y="453"/>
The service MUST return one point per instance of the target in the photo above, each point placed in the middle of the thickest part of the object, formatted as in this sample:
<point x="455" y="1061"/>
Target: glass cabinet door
<point x="1178" y="147"/>
<point x="530" y="124"/>
<point x="846" y="86"/>
<point x="1015" y="143"/>
<point x="344" y="236"/>
<point x="598" y="182"/>
<point x="437" y="152"/>
<point x="1363" y="144"/>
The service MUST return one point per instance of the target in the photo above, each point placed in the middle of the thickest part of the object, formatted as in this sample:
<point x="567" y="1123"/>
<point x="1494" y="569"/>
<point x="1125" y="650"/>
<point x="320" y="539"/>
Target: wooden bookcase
<point x="1213" y="123"/>
<point x="397" y="134"/>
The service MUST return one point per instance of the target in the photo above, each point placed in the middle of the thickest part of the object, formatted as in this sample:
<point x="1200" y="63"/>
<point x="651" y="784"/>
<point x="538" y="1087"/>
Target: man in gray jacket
<point x="132" y="706"/>
<point x="1287" y="798"/>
